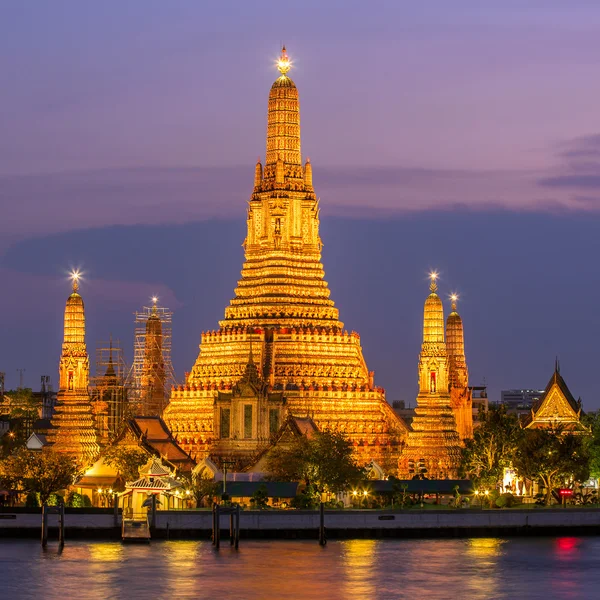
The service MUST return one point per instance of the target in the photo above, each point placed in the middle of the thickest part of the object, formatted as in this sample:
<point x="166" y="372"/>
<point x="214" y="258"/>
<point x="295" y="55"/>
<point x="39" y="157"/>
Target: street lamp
<point x="487" y="496"/>
<point x="477" y="496"/>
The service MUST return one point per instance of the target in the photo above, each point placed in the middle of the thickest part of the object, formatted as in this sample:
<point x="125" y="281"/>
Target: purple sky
<point x="146" y="113"/>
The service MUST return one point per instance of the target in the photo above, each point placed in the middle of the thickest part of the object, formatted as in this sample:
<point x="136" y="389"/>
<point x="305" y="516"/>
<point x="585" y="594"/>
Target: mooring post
<point x="44" y="526"/>
<point x="116" y="508"/>
<point x="214" y="529"/>
<point x="322" y="540"/>
<point x="217" y="527"/>
<point x="153" y="518"/>
<point x="231" y="529"/>
<point x="237" y="527"/>
<point x="61" y="525"/>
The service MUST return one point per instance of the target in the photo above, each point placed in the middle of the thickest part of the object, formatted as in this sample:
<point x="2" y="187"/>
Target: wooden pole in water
<point x="214" y="538"/>
<point x="218" y="528"/>
<point x="237" y="527"/>
<point x="44" y="526"/>
<point x="322" y="540"/>
<point x="61" y="525"/>
<point x="231" y="529"/>
<point x="116" y="507"/>
<point x="153" y="522"/>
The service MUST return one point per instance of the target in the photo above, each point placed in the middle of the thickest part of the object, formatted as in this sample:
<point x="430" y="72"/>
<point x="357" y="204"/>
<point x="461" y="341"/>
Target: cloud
<point x="59" y="202"/>
<point x="579" y="168"/>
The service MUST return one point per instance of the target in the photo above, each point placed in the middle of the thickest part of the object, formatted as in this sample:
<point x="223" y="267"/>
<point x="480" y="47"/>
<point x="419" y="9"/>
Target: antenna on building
<point x="20" y="372"/>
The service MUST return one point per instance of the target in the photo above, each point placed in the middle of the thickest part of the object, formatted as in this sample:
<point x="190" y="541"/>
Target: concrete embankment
<point x="101" y="523"/>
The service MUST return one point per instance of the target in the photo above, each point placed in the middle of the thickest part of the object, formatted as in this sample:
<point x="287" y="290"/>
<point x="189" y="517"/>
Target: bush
<point x="505" y="500"/>
<point x="303" y="501"/>
<point x="78" y="500"/>
<point x="31" y="501"/>
<point x="55" y="500"/>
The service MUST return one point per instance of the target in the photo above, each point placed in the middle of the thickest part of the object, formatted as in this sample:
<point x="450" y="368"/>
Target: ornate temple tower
<point x="153" y="374"/>
<point x="73" y="428"/>
<point x="458" y="374"/>
<point x="283" y="310"/>
<point x="433" y="446"/>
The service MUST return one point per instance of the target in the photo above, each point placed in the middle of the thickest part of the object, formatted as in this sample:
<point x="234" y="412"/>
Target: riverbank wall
<point x="304" y="524"/>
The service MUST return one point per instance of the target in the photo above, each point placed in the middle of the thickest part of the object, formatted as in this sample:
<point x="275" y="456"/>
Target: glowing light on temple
<point x="154" y="300"/>
<point x="75" y="276"/>
<point x="453" y="300"/>
<point x="284" y="64"/>
<point x="433" y="276"/>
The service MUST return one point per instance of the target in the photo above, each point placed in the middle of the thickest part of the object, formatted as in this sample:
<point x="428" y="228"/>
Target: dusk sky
<point x="462" y="136"/>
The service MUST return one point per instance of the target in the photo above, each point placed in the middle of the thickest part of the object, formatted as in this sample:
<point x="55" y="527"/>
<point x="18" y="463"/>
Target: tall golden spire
<point x="282" y="309"/>
<point x="433" y="446"/>
<point x="455" y="344"/>
<point x="458" y="374"/>
<point x="153" y="373"/>
<point x="283" y="131"/>
<point x="73" y="427"/>
<point x="433" y="314"/>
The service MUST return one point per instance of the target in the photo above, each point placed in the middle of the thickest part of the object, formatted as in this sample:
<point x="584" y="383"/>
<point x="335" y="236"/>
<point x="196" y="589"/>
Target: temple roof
<point x="556" y="406"/>
<point x="155" y="437"/>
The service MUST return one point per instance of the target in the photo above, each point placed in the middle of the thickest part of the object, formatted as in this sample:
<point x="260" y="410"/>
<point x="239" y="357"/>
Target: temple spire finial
<point x="453" y="299"/>
<point x="75" y="276"/>
<point x="284" y="64"/>
<point x="433" y="285"/>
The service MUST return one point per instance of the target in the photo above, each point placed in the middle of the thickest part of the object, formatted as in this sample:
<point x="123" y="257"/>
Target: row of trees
<point x="552" y="457"/>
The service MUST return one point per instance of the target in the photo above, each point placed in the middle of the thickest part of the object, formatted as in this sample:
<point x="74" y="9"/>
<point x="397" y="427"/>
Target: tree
<point x="24" y="412"/>
<point x="260" y="498"/>
<point x="201" y="488"/>
<point x="325" y="460"/>
<point x="592" y="442"/>
<point x="42" y="473"/>
<point x="126" y="460"/>
<point x="552" y="457"/>
<point x="492" y="448"/>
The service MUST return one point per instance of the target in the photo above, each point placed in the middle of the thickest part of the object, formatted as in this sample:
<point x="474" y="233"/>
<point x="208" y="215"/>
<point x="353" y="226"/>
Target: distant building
<point x="480" y="402"/>
<point x="520" y="402"/>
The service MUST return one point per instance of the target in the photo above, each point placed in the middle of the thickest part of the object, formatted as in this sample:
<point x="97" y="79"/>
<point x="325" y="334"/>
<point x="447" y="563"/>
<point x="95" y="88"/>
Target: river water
<point x="565" y="567"/>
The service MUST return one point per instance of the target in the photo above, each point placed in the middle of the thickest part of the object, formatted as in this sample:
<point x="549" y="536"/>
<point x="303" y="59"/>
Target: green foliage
<point x="260" y="498"/>
<point x="307" y="499"/>
<point x="592" y="420"/>
<point x="505" y="500"/>
<point x="492" y="448"/>
<point x="553" y="458"/>
<point x="77" y="500"/>
<point x="201" y="488"/>
<point x="43" y="473"/>
<point x="324" y="461"/>
<point x="126" y="460"/>
<point x="55" y="500"/>
<point x="31" y="501"/>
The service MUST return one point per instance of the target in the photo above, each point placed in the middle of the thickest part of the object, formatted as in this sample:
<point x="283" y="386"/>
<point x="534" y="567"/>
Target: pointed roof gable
<point x="557" y="406"/>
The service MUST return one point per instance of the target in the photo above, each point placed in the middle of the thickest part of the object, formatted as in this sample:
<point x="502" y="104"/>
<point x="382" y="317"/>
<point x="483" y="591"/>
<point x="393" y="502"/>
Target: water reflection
<point x="478" y="568"/>
<point x="359" y="562"/>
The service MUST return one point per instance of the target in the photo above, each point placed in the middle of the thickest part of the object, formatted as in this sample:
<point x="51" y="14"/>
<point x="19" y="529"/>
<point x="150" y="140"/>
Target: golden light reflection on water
<point x="484" y="547"/>
<point x="359" y="563"/>
<point x="484" y="581"/>
<point x="103" y="552"/>
<point x="182" y="557"/>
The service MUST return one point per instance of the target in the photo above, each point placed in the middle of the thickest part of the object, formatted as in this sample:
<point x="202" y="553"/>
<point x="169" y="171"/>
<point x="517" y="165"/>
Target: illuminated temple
<point x="281" y="349"/>
<point x="433" y="445"/>
<point x="73" y="428"/>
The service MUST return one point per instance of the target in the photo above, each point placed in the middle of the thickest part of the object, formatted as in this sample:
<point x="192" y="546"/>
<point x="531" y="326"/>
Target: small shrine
<point x="156" y="480"/>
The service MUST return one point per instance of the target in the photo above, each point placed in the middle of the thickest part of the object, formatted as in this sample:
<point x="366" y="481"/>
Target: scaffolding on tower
<point x="109" y="390"/>
<point x="149" y="376"/>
